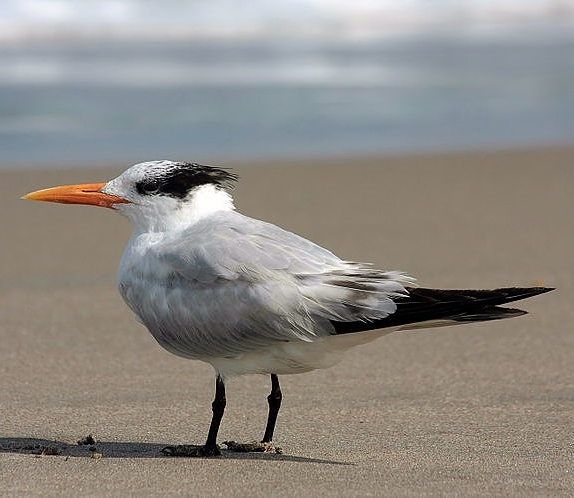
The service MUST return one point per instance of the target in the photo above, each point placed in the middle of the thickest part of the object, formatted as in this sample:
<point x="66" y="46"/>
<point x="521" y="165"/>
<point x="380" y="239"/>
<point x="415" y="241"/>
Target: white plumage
<point x="212" y="284"/>
<point x="248" y="297"/>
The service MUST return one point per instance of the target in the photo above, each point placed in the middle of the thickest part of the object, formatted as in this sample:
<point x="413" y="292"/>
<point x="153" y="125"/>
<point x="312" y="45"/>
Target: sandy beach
<point x="484" y="409"/>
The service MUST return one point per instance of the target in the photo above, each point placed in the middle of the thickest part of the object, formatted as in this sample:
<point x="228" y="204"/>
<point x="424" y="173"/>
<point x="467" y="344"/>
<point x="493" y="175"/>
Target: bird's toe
<point x="191" y="450"/>
<point x="253" y="447"/>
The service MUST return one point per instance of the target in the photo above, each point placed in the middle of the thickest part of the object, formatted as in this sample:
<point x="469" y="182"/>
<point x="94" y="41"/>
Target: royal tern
<point x="248" y="297"/>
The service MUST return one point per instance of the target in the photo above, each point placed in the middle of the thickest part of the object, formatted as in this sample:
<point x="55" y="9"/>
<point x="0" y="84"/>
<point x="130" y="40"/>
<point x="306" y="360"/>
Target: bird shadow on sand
<point x="102" y="449"/>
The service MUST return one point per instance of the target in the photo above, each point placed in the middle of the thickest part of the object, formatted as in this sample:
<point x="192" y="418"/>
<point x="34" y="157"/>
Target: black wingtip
<point x="519" y="293"/>
<point x="542" y="290"/>
<point x="489" y="313"/>
<point x="538" y="290"/>
<point x="454" y="305"/>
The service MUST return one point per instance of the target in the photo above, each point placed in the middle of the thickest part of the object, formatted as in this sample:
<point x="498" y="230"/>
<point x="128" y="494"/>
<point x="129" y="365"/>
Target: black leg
<point x="210" y="447"/>
<point x="274" y="400"/>
<point x="218" y="407"/>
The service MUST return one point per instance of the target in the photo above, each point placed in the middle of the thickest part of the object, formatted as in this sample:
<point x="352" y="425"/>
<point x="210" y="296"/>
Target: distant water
<point x="106" y="102"/>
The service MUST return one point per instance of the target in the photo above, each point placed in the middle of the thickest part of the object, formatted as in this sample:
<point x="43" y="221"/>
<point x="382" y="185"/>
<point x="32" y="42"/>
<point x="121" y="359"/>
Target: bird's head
<point x="155" y="195"/>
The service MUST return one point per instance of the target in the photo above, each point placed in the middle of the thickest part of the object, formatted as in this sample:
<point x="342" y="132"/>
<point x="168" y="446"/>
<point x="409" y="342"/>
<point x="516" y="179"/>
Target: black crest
<point x="178" y="180"/>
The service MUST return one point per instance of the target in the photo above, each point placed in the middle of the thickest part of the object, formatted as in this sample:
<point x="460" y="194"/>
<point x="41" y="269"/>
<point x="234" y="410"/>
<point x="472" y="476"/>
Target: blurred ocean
<point x="102" y="101"/>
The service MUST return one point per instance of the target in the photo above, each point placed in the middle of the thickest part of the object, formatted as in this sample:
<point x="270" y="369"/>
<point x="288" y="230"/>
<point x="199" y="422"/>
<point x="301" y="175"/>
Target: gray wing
<point x="250" y="284"/>
<point x="228" y="245"/>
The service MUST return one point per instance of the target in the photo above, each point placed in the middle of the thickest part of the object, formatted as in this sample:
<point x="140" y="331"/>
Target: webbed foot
<point x="253" y="447"/>
<point x="191" y="450"/>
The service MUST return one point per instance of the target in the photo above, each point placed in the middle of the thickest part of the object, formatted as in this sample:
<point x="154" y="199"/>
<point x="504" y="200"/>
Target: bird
<point x="248" y="297"/>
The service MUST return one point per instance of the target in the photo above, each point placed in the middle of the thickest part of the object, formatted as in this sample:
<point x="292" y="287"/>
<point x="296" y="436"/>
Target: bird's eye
<point x="148" y="187"/>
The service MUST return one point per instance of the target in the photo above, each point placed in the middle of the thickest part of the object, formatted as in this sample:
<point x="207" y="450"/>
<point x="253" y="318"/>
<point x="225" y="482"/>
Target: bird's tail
<point x="422" y="307"/>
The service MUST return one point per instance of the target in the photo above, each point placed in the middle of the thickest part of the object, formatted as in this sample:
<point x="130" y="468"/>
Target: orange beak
<point x="88" y="193"/>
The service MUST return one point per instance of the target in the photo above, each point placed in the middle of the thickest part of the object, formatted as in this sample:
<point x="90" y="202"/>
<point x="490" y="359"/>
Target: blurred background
<point x="92" y="82"/>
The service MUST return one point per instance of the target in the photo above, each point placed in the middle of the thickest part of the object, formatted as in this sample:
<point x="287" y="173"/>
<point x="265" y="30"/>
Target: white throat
<point x="166" y="214"/>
